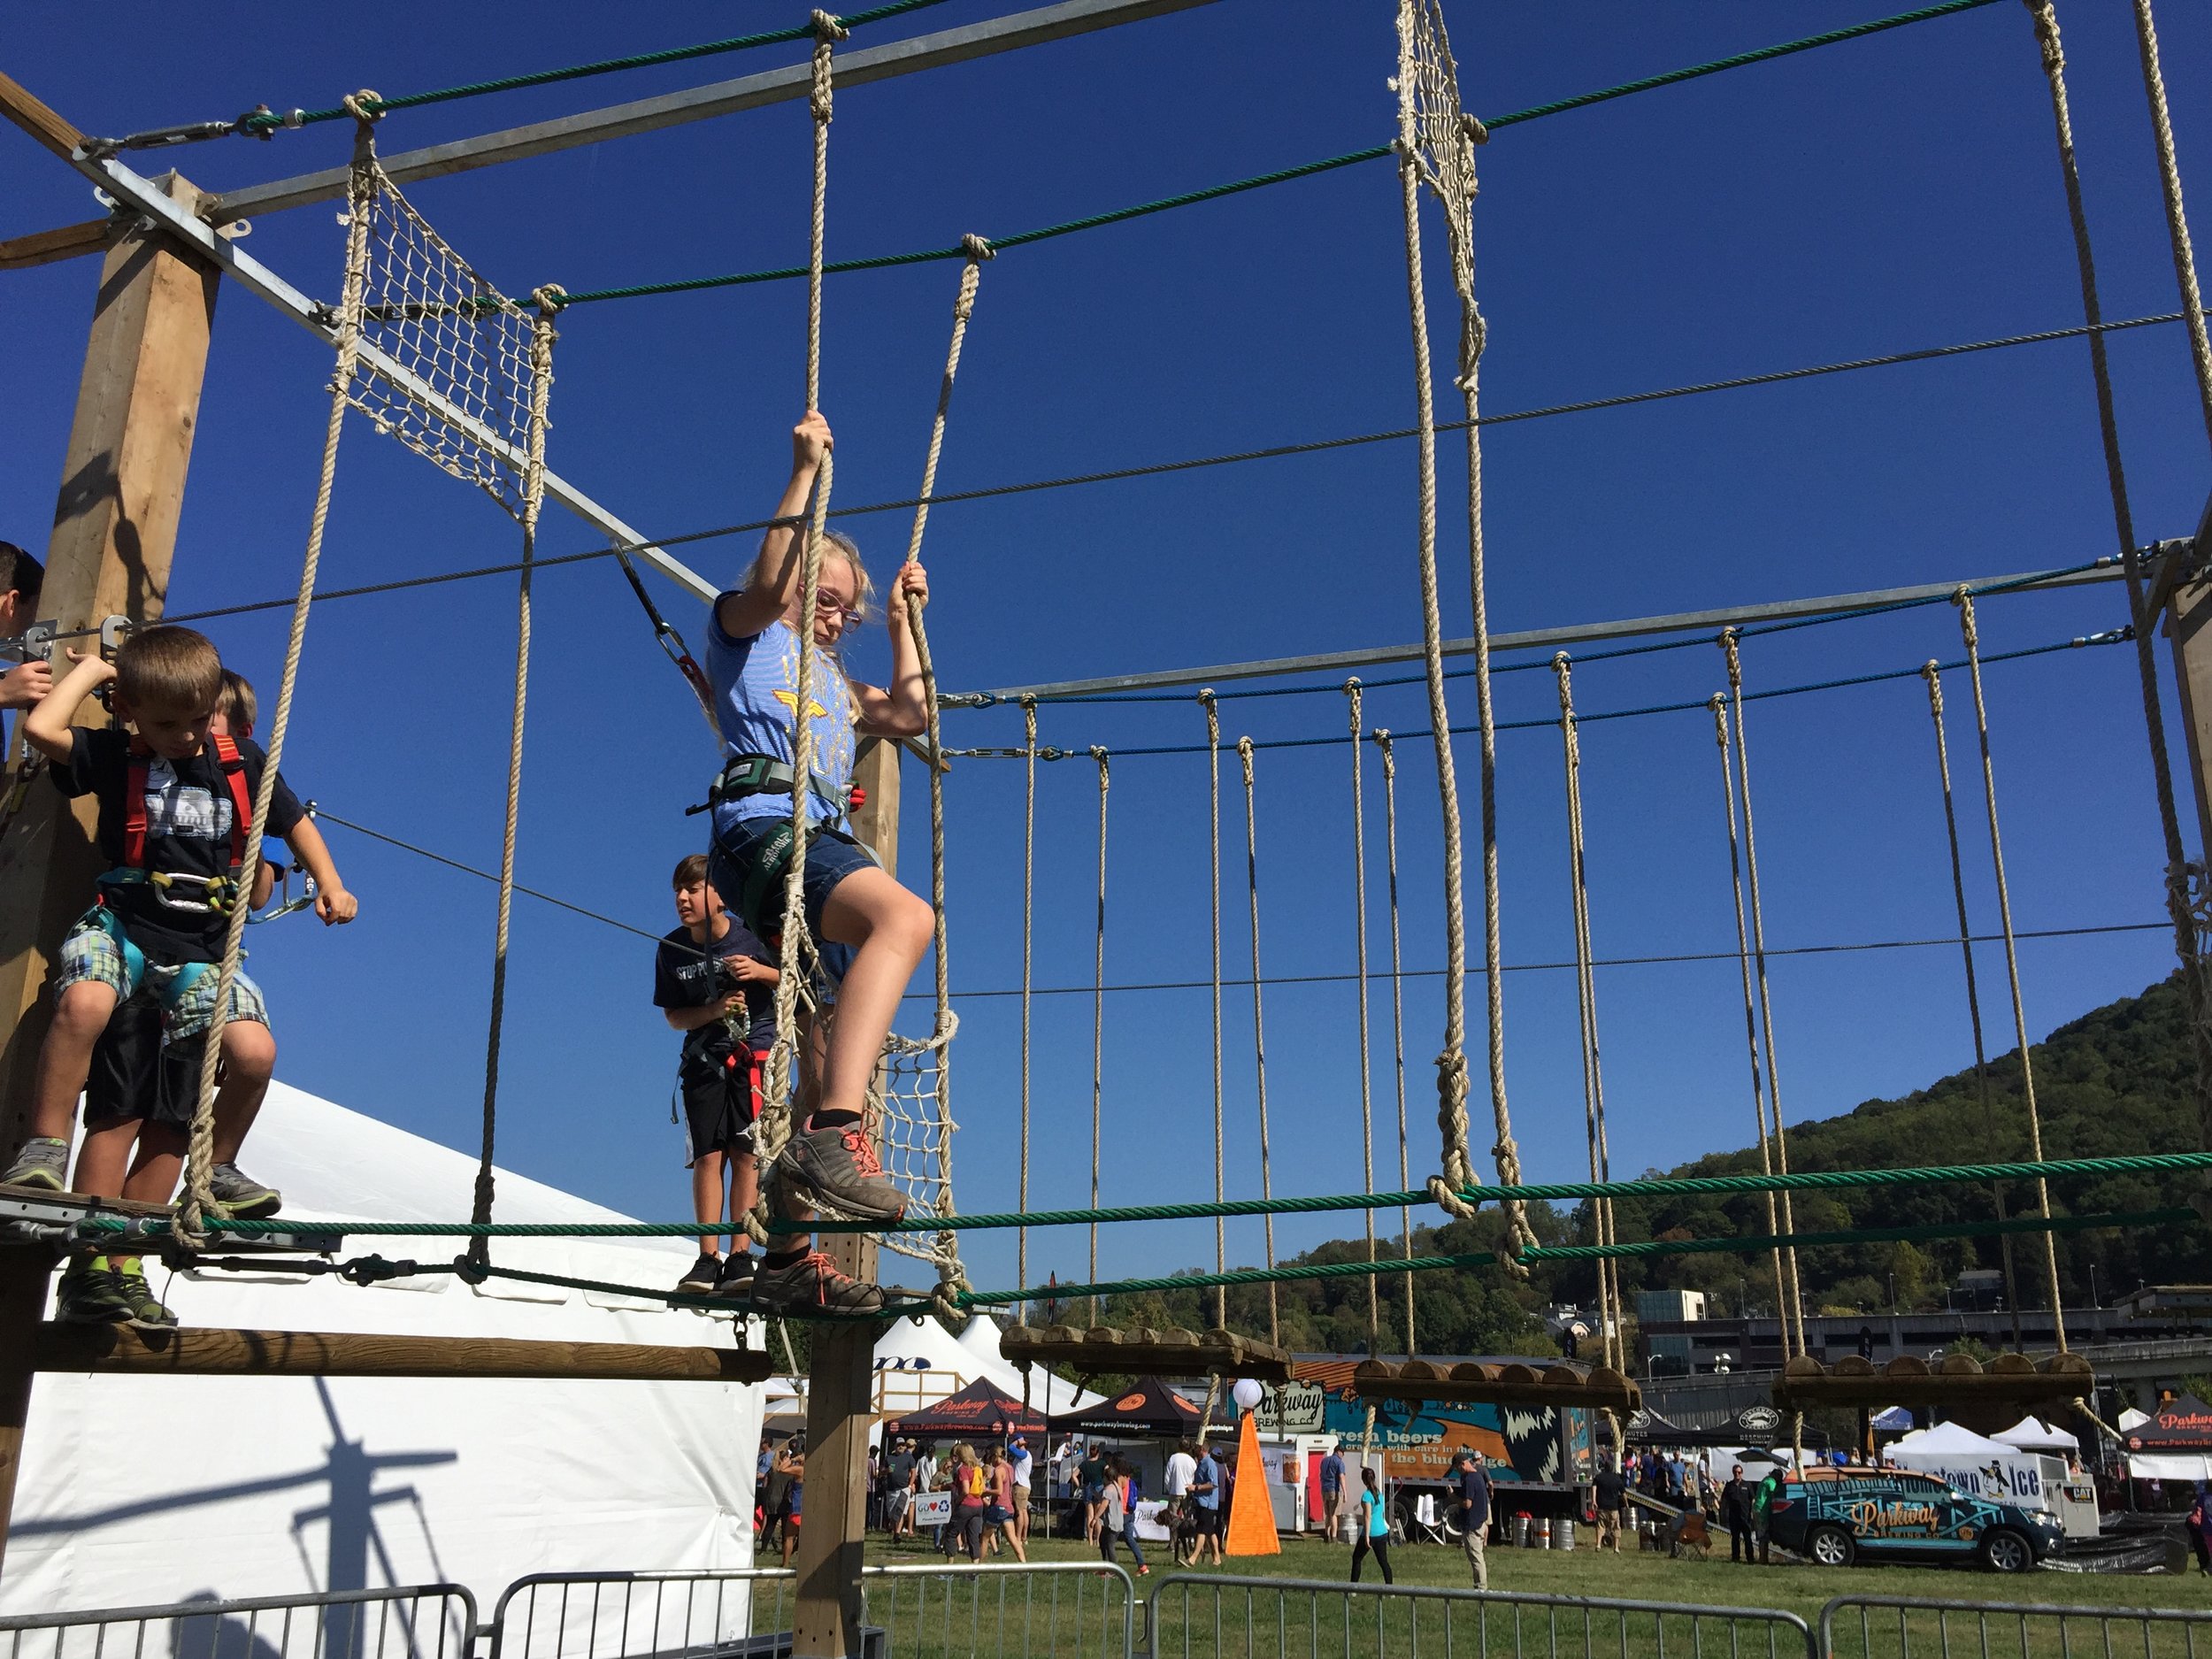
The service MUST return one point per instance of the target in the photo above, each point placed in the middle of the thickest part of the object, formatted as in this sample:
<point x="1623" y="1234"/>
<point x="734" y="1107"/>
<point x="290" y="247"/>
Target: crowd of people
<point x="1690" y="1489"/>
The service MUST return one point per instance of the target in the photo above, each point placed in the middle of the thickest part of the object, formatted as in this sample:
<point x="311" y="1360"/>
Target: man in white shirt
<point x="1182" y="1468"/>
<point x="1018" y="1456"/>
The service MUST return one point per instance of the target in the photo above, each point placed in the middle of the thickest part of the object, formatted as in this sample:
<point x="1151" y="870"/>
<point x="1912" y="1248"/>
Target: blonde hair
<point x="169" y="668"/>
<point x="965" y="1452"/>
<point x="864" y="590"/>
<point x="240" y="707"/>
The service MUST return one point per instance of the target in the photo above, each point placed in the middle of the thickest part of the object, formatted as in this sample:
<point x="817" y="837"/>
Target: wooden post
<point x="840" y="1408"/>
<point x="115" y="528"/>
<point x="2183" y="583"/>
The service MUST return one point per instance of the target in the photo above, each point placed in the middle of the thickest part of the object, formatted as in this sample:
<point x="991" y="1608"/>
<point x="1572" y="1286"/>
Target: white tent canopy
<point x="145" y="1489"/>
<point x="2031" y="1434"/>
<point x="1948" y="1440"/>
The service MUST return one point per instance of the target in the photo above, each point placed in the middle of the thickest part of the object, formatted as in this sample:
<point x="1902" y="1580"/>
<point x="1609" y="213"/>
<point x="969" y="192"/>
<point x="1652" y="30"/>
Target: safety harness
<point x="743" y="775"/>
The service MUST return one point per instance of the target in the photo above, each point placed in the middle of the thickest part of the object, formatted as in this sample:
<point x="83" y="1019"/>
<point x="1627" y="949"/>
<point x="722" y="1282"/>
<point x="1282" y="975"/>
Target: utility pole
<point x="840" y="1400"/>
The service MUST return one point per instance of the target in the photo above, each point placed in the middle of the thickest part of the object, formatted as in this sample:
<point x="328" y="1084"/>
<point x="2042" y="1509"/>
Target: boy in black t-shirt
<point x="174" y="807"/>
<point x="715" y="981"/>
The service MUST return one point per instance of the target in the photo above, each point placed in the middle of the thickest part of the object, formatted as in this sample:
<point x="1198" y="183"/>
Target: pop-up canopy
<point x="1149" y="1409"/>
<point x="2032" y="1435"/>
<point x="981" y="1409"/>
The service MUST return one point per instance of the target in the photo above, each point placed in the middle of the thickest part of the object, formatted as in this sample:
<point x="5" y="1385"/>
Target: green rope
<point x="1587" y="1252"/>
<point x="1281" y="174"/>
<point x="1664" y="1187"/>
<point x="262" y="122"/>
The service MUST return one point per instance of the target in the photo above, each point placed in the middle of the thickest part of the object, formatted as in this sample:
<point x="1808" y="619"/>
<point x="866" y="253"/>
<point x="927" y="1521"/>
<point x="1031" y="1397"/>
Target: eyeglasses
<point x="829" y="605"/>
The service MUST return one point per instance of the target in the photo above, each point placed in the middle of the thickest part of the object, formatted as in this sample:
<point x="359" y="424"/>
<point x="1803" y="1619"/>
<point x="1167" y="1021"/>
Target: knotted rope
<point x="948" y="1269"/>
<point x="2177" y="217"/>
<point x="1029" y="931"/>
<point x="1259" y="1026"/>
<point x="1213" y="779"/>
<point x="361" y="187"/>
<point x="783" y="1058"/>
<point x="2184" y="879"/>
<point x="1098" y="1013"/>
<point x="542" y="338"/>
<point x="1436" y="146"/>
<point x="1353" y="700"/>
<point x="1586" y="998"/>
<point x="1968" y="632"/>
<point x="1720" y="724"/>
<point x="1933" y="674"/>
<point x="1397" y="1013"/>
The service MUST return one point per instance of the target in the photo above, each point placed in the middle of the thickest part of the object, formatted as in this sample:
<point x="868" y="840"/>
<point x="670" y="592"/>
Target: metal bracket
<point x="111" y="632"/>
<point x="37" y="642"/>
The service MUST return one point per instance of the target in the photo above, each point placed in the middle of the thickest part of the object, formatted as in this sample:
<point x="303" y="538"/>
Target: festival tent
<point x="982" y="1411"/>
<point x="145" y="1489"/>
<point x="1149" y="1410"/>
<point x="2132" y="1418"/>
<point x="1980" y="1467"/>
<point x="2031" y="1434"/>
<point x="919" y="1361"/>
<point x="2173" y="1443"/>
<point x="1894" y="1420"/>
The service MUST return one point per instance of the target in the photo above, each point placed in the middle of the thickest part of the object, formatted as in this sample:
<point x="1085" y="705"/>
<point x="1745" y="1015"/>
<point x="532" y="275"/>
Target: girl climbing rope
<point x="872" y="930"/>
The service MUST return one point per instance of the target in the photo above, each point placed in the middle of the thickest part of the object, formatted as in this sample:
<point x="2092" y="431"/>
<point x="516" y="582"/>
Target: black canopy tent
<point x="2182" y="1423"/>
<point x="979" y="1412"/>
<point x="1149" y="1409"/>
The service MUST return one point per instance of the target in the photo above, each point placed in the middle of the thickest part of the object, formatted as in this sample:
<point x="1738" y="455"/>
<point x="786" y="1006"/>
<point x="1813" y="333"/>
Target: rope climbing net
<point x="433" y="323"/>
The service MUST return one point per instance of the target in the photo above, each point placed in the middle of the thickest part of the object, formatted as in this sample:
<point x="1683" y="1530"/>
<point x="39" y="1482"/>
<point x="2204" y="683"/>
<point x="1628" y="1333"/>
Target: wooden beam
<point x="23" y="1275"/>
<point x="46" y="246"/>
<point x="2184" y="586"/>
<point x="826" y="1615"/>
<point x="698" y="104"/>
<point x="202" y="1353"/>
<point x="28" y="113"/>
<point x="115" y="527"/>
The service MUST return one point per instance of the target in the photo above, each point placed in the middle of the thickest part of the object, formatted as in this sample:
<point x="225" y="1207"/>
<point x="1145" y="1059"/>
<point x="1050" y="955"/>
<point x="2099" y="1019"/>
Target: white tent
<point x="919" y="1363"/>
<point x="2132" y="1418"/>
<point x="2031" y="1434"/>
<point x="137" y="1490"/>
<point x="1980" y="1467"/>
<point x="1947" y="1440"/>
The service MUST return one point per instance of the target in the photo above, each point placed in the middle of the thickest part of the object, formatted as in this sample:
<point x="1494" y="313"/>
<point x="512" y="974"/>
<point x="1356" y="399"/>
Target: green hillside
<point x="2116" y="1080"/>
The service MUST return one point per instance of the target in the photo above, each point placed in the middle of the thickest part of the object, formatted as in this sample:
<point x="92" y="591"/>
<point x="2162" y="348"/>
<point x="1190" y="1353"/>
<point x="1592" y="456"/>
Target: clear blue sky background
<point x="1889" y="194"/>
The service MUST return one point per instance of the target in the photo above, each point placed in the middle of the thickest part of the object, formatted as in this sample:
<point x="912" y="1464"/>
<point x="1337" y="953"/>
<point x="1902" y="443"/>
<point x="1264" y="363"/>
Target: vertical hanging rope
<point x="541" y="338"/>
<point x="2186" y="898"/>
<point x="1719" y="706"/>
<point x="1451" y="1065"/>
<point x="361" y="188"/>
<point x="1397" y="1016"/>
<point x="1259" y="1026"/>
<point x="1964" y="600"/>
<point x="1029" y="931"/>
<point x="783" y="1060"/>
<point x="1586" y="998"/>
<point x="1213" y="782"/>
<point x="1098" y="1014"/>
<point x="2177" y="215"/>
<point x="1353" y="699"/>
<point x="947" y="1247"/>
<point x="1794" y="1312"/>
<point x="1930" y="672"/>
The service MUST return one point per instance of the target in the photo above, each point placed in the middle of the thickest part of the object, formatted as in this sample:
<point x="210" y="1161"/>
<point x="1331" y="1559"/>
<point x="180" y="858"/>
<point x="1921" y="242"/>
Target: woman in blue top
<point x="1374" y="1528"/>
<point x="752" y="662"/>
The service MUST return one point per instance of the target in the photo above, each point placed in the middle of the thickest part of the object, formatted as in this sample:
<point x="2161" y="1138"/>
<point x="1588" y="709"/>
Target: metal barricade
<point x="1907" y="1627"/>
<point x="436" y="1621"/>
<point x="1067" y="1610"/>
<point x="1063" y="1610"/>
<point x="1217" y="1615"/>
<point x="735" y="1613"/>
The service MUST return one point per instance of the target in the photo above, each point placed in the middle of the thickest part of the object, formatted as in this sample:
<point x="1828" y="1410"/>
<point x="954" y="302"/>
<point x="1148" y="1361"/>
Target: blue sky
<point x="1882" y="195"/>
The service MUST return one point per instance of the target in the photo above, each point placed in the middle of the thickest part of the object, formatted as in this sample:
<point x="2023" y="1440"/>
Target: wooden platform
<point x="1956" y="1379"/>
<point x="1591" y="1388"/>
<point x="1169" y="1353"/>
<point x="28" y="1213"/>
<point x="191" y="1351"/>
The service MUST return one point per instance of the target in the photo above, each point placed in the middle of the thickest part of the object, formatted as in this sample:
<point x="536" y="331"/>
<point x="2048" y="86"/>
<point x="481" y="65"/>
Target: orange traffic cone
<point x="1251" y="1516"/>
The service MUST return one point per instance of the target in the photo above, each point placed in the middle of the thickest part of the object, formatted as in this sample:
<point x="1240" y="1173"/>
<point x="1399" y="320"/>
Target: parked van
<point x="1833" y="1517"/>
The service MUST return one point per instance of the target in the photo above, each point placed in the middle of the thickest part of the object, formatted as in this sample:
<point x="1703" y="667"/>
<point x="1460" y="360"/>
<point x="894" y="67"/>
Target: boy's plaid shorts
<point x="90" y="953"/>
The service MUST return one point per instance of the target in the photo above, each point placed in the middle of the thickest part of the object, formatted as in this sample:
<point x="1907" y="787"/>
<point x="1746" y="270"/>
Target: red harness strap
<point x="234" y="768"/>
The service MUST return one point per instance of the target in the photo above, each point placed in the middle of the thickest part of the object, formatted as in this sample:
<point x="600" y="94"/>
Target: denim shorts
<point x="831" y="855"/>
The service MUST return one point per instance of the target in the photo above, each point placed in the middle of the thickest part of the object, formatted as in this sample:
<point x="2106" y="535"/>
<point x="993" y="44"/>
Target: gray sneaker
<point x="810" y="1284"/>
<point x="241" y="1197"/>
<point x="44" y="1164"/>
<point x="835" y="1169"/>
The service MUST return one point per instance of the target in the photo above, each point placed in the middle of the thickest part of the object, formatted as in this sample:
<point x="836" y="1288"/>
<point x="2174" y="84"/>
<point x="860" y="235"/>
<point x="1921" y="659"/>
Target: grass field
<point x="1079" y="1615"/>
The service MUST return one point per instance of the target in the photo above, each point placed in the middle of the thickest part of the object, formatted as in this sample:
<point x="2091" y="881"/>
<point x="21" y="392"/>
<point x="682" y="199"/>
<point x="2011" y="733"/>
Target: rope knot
<point x="1731" y="647"/>
<point x="548" y="297"/>
<point x="976" y="248"/>
<point x="364" y="106"/>
<point x="827" y="31"/>
<point x="1472" y="127"/>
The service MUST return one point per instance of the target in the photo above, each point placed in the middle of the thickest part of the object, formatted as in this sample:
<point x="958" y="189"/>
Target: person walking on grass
<point x="1471" y="1488"/>
<point x="1374" y="1528"/>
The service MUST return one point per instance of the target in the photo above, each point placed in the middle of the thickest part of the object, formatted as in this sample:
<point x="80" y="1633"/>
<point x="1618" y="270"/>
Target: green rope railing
<point x="1673" y="77"/>
<point x="1663" y="1186"/>
<point x="377" y="1269"/>
<point x="264" y="121"/>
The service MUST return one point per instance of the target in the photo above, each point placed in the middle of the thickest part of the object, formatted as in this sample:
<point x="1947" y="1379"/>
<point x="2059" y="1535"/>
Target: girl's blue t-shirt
<point x="755" y="702"/>
<point x="1378" y="1517"/>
